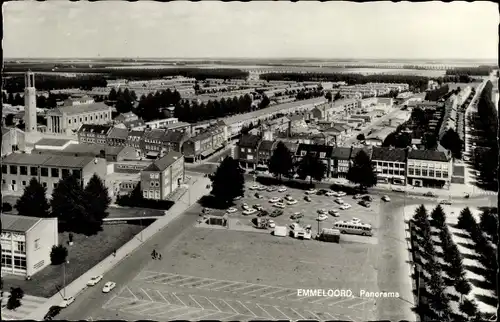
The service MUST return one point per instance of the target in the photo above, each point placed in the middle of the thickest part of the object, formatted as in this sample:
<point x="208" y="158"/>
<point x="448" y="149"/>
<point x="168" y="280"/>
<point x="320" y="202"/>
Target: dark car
<point x="263" y="213"/>
<point x="364" y="203"/>
<point x="367" y="198"/>
<point x="52" y="313"/>
<point x="307" y="198"/>
<point x="276" y="213"/>
<point x="321" y="192"/>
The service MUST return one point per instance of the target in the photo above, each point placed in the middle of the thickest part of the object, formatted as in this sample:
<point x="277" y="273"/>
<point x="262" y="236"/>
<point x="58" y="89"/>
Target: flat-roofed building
<point x="68" y="119"/>
<point x="109" y="153"/>
<point x="53" y="144"/>
<point x="27" y="243"/>
<point x="390" y="164"/>
<point x="163" y="176"/>
<point x="76" y="101"/>
<point x="427" y="168"/>
<point x="48" y="169"/>
<point x="161" y="124"/>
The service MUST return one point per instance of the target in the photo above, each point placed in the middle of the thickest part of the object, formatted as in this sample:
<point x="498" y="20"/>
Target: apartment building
<point x="428" y="168"/>
<point x="134" y="139"/>
<point x="265" y="152"/>
<point x="27" y="243"/>
<point x="342" y="158"/>
<point x="18" y="169"/>
<point x="93" y="134"/>
<point x="247" y="149"/>
<point x="117" y="137"/>
<point x="323" y="152"/>
<point x="163" y="176"/>
<point x="204" y="144"/>
<point x="390" y="164"/>
<point x="154" y="143"/>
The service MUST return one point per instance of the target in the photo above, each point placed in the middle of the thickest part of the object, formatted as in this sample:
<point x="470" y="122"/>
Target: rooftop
<point x="315" y="148"/>
<point x="164" y="162"/>
<point x="249" y="140"/>
<point x="52" y="142"/>
<point x="79" y="109"/>
<point x="17" y="223"/>
<point x="389" y="154"/>
<point x="95" y="128"/>
<point x="429" y="155"/>
<point x="49" y="160"/>
<point x="118" y="133"/>
<point x="341" y="153"/>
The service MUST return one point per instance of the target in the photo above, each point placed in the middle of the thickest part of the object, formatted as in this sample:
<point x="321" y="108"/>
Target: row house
<point x="93" y="133"/>
<point x="265" y="152"/>
<point x="247" y="150"/>
<point x="323" y="152"/>
<point x="204" y="144"/>
<point x="134" y="139"/>
<point x="427" y="168"/>
<point x="342" y="158"/>
<point x="117" y="137"/>
<point x="175" y="139"/>
<point x="390" y="164"/>
<point x="154" y="145"/>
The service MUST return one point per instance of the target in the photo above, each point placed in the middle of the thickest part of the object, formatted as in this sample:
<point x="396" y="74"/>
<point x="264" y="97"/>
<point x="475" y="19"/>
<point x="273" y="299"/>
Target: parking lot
<point x="309" y="210"/>
<point x="223" y="274"/>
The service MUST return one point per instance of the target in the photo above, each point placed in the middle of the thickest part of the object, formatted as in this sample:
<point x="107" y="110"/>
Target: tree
<point x="438" y="216"/>
<point x="361" y="171"/>
<point x="98" y="199"/>
<point x="429" y="141"/>
<point x="15" y="297"/>
<point x="468" y="308"/>
<point x="69" y="204"/>
<point x="311" y="166"/>
<point x="337" y="96"/>
<point x="489" y="224"/>
<point x="228" y="181"/>
<point x="360" y="137"/>
<point x="264" y="103"/>
<point x="451" y="141"/>
<point x="112" y="95"/>
<point x="463" y="287"/>
<point x="58" y="254"/>
<point x="329" y="96"/>
<point x="33" y="202"/>
<point x="281" y="163"/>
<point x="465" y="219"/>
<point x="440" y="302"/>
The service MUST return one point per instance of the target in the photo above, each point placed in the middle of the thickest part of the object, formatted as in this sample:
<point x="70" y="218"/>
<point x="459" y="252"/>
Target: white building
<point x="27" y="243"/>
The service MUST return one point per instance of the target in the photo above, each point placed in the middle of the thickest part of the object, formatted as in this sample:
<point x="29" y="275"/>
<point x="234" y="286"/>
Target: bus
<point x="351" y="227"/>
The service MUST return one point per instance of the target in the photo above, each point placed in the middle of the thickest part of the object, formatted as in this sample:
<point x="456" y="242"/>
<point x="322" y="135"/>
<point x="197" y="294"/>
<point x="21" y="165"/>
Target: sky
<point x="428" y="30"/>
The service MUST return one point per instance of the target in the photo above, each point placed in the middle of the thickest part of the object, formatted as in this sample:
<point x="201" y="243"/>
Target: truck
<point x="298" y="232"/>
<point x="280" y="231"/>
<point x="329" y="235"/>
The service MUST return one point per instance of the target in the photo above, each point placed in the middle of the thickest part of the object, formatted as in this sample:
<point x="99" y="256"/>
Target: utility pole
<point x="64" y="279"/>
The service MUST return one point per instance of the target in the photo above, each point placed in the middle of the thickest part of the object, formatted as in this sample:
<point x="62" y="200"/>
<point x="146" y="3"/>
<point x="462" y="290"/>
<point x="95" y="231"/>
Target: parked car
<point x="94" y="280"/>
<point x="339" y="201"/>
<point x="262" y="188"/>
<point x="249" y="212"/>
<point x="296" y="215"/>
<point x="276" y="213"/>
<point x="345" y="206"/>
<point x="237" y="198"/>
<point x="321" y="211"/>
<point x="341" y="194"/>
<point x="365" y="203"/>
<point x="274" y="199"/>
<point x="321" y="192"/>
<point x="257" y="207"/>
<point x="307" y="198"/>
<point x="258" y="195"/>
<point x="288" y="197"/>
<point x="108" y="287"/>
<point x="311" y="191"/>
<point x="279" y="205"/>
<point x="445" y="202"/>
<point x="334" y="213"/>
<point x="386" y="198"/>
<point x="367" y="198"/>
<point x="291" y="202"/>
<point x="430" y="194"/>
<point x="330" y="193"/>
<point x="322" y="217"/>
<point x="282" y="189"/>
<point x="271" y="223"/>
<point x="52" y="313"/>
<point x="245" y="206"/>
<point x="357" y="196"/>
<point x="354" y="219"/>
<point x="231" y="210"/>
<point x="254" y="187"/>
<point x="263" y="213"/>
<point x="67" y="301"/>
<point x="398" y="189"/>
<point x="271" y="189"/>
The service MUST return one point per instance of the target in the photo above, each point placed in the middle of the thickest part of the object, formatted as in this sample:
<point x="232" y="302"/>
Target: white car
<point x="254" y="187"/>
<point x="274" y="200"/>
<point x="334" y="213"/>
<point x="237" y="198"/>
<point x="271" y="224"/>
<point x="231" y="210"/>
<point x="321" y="211"/>
<point x="249" y="211"/>
<point x="354" y="219"/>
<point x="94" y="280"/>
<point x="282" y="189"/>
<point x="340" y="201"/>
<point x="291" y="202"/>
<point x="288" y="198"/>
<point x="279" y="205"/>
<point x="311" y="191"/>
<point x="345" y="206"/>
<point x="330" y="193"/>
<point x="67" y="301"/>
<point x="245" y="206"/>
<point x="108" y="287"/>
<point x="322" y="217"/>
<point x="341" y="194"/>
<point x="386" y="198"/>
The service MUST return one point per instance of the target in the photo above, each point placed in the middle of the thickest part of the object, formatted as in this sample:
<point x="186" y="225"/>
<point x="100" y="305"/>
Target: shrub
<point x="58" y="254"/>
<point x="6" y="207"/>
<point x="14" y="301"/>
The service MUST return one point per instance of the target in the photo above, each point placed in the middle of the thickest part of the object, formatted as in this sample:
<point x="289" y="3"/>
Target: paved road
<point x="90" y="301"/>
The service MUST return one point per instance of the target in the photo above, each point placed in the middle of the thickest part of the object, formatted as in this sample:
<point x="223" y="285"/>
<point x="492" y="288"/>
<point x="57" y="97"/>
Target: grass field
<point x="85" y="253"/>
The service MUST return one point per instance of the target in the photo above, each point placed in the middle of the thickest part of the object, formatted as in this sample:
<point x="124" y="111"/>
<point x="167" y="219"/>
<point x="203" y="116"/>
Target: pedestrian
<point x="159" y="256"/>
<point x="114" y="253"/>
<point x="153" y="254"/>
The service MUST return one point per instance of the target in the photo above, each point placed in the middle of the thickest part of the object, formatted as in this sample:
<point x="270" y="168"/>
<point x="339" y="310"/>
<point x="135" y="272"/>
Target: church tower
<point x="30" y="103"/>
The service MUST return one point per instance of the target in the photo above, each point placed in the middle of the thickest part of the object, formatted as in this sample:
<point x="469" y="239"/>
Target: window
<point x="77" y="173"/>
<point x="145" y="193"/>
<point x="445" y="174"/>
<point x="417" y="172"/>
<point x="21" y="247"/>
<point x="401" y="172"/>
<point x="302" y="153"/>
<point x="54" y="185"/>
<point x="19" y="262"/>
<point x="431" y="172"/>
<point x="69" y="121"/>
<point x="44" y="184"/>
<point x="80" y="120"/>
<point x="385" y="164"/>
<point x="23" y="170"/>
<point x="34" y="171"/>
<point x="23" y="183"/>
<point x="151" y="194"/>
<point x="438" y="174"/>
<point x="44" y="172"/>
<point x="424" y="172"/>
<point x="13" y="169"/>
<point x="85" y="119"/>
<point x="54" y="172"/>
<point x="322" y="155"/>
<point x="6" y="260"/>
<point x="37" y="245"/>
<point x="91" y="117"/>
<point x="13" y="182"/>
<point x="384" y="171"/>
<point x="157" y="194"/>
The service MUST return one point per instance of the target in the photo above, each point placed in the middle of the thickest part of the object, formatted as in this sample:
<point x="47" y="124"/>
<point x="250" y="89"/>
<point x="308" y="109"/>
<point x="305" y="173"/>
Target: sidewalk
<point x="197" y="190"/>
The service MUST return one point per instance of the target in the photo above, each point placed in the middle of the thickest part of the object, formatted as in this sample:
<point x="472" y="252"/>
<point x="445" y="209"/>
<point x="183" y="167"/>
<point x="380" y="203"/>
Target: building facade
<point x="248" y="150"/>
<point x="27" y="243"/>
<point x="94" y="134"/>
<point x="68" y="119"/>
<point x="163" y="177"/>
<point x="428" y="168"/>
<point x="390" y="164"/>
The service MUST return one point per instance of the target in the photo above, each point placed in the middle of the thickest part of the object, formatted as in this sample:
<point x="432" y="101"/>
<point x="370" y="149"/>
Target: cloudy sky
<point x="431" y="30"/>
